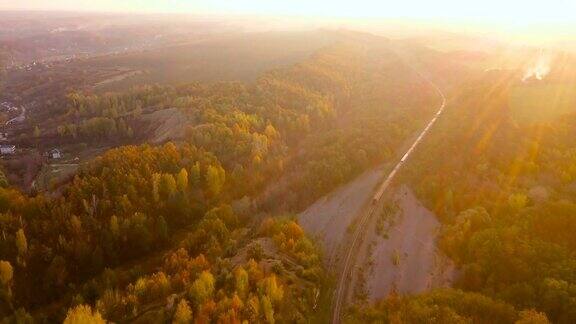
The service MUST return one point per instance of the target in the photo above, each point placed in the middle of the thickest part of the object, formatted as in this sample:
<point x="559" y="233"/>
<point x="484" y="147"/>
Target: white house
<point x="55" y="154"/>
<point x="7" y="149"/>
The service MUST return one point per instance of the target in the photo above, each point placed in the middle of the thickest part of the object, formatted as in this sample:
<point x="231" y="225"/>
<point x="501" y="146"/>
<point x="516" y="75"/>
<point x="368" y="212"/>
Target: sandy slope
<point x="165" y="125"/>
<point x="413" y="242"/>
<point x="412" y="238"/>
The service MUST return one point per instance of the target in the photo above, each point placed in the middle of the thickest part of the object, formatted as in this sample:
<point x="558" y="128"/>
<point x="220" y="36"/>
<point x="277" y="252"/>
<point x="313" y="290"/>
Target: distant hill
<point x="231" y="57"/>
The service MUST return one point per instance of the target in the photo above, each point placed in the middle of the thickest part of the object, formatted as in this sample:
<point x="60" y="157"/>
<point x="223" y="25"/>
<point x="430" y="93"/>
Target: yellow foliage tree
<point x="183" y="314"/>
<point x="182" y="180"/>
<point x="82" y="314"/>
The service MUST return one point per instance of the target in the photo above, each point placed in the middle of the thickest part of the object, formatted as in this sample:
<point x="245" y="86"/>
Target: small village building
<point x="55" y="154"/>
<point x="7" y="149"/>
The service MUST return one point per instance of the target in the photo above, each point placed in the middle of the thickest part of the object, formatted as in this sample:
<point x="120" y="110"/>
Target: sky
<point x="521" y="12"/>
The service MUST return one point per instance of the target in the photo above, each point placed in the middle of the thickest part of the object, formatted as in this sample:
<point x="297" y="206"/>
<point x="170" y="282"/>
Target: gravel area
<point x="328" y="218"/>
<point x="408" y="261"/>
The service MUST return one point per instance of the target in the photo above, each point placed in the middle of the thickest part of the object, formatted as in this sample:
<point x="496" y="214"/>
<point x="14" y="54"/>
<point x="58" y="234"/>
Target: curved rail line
<point x="341" y="288"/>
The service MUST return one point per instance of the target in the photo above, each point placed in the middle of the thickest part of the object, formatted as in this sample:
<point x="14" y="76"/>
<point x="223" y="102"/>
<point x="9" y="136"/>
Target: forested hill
<point x="161" y="233"/>
<point x="504" y="190"/>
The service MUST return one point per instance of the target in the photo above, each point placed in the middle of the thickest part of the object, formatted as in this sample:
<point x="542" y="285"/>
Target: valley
<point x="171" y="168"/>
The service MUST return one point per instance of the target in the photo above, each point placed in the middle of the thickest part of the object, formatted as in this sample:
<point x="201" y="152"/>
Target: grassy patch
<point x="387" y="219"/>
<point x="53" y="174"/>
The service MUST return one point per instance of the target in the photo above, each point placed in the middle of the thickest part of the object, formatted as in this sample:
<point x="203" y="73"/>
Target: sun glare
<point x="512" y="12"/>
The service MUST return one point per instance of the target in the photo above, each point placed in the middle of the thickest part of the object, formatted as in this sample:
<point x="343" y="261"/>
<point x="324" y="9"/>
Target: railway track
<point x="344" y="280"/>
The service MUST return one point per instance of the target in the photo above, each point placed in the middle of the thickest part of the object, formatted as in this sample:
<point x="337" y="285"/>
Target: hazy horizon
<point x="512" y="13"/>
<point x="515" y="22"/>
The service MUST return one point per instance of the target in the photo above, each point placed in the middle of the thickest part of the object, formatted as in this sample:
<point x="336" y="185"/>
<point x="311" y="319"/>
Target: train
<point x="383" y="186"/>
